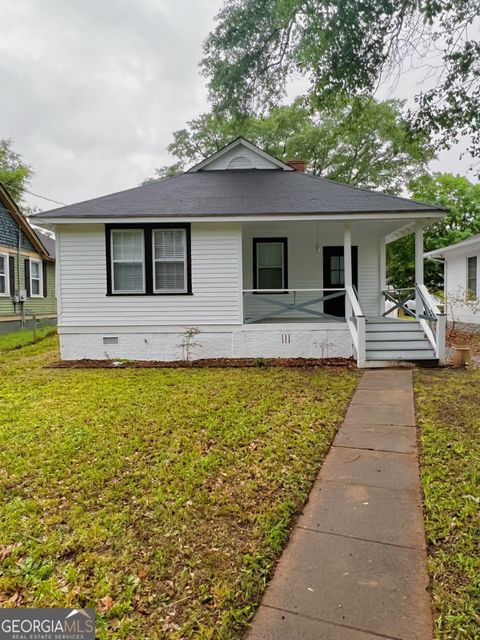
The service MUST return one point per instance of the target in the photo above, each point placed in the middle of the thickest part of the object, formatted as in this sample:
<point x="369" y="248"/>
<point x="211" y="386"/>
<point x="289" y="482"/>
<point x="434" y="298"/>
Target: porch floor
<point x="325" y="319"/>
<point x="290" y="320"/>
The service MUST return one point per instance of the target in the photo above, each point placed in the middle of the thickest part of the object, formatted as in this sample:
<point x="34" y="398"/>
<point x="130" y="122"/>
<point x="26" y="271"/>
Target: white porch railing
<point x="431" y="320"/>
<point x="399" y="298"/>
<point x="297" y="302"/>
<point x="356" y="325"/>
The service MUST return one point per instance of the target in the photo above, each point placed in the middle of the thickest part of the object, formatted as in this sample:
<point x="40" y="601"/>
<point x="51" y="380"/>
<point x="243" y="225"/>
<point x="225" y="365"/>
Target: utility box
<point x="22" y="295"/>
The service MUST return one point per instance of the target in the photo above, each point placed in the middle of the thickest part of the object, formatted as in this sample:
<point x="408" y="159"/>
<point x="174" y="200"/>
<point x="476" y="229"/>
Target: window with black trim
<point x="270" y="268"/>
<point x="148" y="259"/>
<point x="472" y="278"/>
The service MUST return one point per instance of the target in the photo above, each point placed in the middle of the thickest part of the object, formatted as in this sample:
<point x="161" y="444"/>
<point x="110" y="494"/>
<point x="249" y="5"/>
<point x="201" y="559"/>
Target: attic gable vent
<point x="240" y="162"/>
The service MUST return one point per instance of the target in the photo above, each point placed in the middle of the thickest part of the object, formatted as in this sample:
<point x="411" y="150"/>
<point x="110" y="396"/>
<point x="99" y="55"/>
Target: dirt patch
<point x="469" y="339"/>
<point x="348" y="363"/>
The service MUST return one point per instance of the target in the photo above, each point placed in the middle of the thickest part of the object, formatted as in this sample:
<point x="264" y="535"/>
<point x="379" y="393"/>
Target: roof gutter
<point x="260" y="217"/>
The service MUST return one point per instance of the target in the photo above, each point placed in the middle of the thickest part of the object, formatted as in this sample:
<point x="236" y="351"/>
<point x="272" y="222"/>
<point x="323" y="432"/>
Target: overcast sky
<point x="92" y="89"/>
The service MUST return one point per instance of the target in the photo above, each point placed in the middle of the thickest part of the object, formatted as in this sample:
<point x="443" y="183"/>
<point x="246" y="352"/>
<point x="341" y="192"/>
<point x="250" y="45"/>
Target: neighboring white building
<point x="263" y="259"/>
<point x="461" y="279"/>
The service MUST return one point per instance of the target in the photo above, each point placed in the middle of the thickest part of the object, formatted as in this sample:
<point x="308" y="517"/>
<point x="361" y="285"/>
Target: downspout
<point x="22" y="303"/>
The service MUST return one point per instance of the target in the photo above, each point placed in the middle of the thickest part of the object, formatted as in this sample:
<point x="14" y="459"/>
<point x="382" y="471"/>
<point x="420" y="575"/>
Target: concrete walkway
<point x="355" y="566"/>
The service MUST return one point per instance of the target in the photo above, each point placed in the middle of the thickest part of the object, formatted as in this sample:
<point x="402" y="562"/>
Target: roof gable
<point x="240" y="154"/>
<point x="10" y="206"/>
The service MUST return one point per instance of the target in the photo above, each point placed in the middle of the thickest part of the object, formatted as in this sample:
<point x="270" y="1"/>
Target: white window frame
<point x="112" y="261"/>
<point x="475" y="293"/>
<point x="40" y="278"/>
<point x="185" y="261"/>
<point x="6" y="275"/>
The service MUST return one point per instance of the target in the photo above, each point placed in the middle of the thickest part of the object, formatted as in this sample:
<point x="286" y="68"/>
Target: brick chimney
<point x="297" y="165"/>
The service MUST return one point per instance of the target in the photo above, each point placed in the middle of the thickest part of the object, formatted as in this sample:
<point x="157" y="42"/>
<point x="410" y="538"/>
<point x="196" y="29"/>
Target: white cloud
<point x="93" y="89"/>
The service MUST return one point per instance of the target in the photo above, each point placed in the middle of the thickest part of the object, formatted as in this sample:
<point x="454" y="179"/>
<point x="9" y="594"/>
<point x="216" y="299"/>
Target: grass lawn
<point x="448" y="411"/>
<point x="17" y="339"/>
<point x="160" y="497"/>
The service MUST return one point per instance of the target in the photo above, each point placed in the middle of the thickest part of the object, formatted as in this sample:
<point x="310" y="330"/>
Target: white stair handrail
<point x="356" y="325"/>
<point x="432" y="312"/>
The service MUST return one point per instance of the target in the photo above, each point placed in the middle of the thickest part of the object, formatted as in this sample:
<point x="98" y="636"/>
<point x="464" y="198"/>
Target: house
<point x="461" y="279"/>
<point x="259" y="257"/>
<point x="27" y="270"/>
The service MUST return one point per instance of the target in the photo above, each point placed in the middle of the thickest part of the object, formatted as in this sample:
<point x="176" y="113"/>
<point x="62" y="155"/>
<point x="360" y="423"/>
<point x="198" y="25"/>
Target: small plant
<point x="259" y="362"/>
<point x="455" y="302"/>
<point x="324" y="347"/>
<point x="188" y="343"/>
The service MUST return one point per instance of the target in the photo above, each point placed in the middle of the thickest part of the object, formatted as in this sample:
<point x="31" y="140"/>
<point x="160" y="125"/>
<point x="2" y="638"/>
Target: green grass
<point x="18" y="339"/>
<point x="448" y="411"/>
<point x="162" y="497"/>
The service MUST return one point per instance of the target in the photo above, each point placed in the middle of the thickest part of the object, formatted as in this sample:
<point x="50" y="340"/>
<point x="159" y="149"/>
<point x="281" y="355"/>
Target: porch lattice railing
<point x="297" y="301"/>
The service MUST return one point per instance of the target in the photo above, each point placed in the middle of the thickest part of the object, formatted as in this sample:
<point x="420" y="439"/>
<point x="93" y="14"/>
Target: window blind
<point x="170" y="257"/>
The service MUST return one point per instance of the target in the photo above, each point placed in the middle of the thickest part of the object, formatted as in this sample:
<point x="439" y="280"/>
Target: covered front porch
<point x="331" y="275"/>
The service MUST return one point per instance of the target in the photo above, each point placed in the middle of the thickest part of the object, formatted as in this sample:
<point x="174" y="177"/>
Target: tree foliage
<point x="345" y="47"/>
<point x="14" y="173"/>
<point x="361" y="142"/>
<point x="462" y="200"/>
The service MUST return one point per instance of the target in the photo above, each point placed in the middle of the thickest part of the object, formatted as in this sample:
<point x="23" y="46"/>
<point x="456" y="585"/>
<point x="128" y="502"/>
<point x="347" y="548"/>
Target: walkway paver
<point x="355" y="566"/>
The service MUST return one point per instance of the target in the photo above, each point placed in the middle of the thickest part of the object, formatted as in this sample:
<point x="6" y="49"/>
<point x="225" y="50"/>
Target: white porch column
<point x="418" y="254"/>
<point x="418" y="266"/>
<point x="347" y="254"/>
<point x="347" y="265"/>
<point x="382" y="276"/>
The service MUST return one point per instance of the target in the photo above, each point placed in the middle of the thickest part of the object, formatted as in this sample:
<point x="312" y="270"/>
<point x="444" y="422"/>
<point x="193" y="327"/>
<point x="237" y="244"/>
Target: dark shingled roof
<point x="238" y="192"/>
<point x="47" y="241"/>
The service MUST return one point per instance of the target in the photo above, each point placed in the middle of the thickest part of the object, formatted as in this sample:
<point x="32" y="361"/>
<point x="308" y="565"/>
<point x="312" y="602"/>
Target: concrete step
<point x="398" y="345"/>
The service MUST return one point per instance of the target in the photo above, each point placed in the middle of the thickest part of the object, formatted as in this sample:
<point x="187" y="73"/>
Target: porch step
<point x="418" y="342"/>
<point x="391" y="326"/>
<point x="394" y="341"/>
<point x="394" y="355"/>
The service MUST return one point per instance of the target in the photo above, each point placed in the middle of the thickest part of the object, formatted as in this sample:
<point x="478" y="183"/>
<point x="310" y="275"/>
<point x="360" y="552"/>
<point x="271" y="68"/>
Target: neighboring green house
<point x="27" y="270"/>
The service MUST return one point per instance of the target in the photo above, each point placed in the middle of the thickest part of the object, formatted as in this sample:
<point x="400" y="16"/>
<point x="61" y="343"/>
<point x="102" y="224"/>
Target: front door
<point x="334" y="276"/>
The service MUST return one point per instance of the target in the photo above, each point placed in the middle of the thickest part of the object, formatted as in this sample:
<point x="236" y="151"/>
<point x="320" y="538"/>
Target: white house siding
<point x="305" y="262"/>
<point x="242" y="158"/>
<point x="456" y="283"/>
<point x="216" y="282"/>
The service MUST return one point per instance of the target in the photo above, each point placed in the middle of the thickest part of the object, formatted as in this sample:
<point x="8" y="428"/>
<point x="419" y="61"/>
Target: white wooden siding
<point x="456" y="282"/>
<point x="216" y="274"/>
<point x="216" y="282"/>
<point x="250" y="160"/>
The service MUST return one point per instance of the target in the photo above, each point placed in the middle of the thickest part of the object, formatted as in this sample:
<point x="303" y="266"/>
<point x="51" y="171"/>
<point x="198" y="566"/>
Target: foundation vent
<point x="110" y="339"/>
<point x="286" y="338"/>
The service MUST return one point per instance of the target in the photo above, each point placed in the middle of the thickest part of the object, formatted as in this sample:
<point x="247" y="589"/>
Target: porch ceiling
<point x="383" y="228"/>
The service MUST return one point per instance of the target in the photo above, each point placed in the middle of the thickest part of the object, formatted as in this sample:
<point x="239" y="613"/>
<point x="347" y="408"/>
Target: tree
<point x="361" y="142"/>
<point x="14" y="173"/>
<point x="345" y="47"/>
<point x="462" y="200"/>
